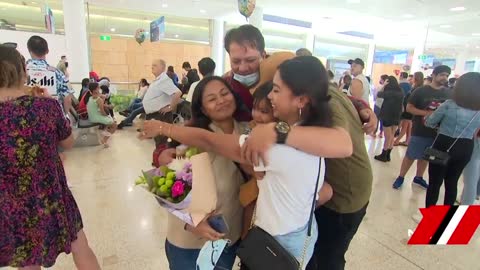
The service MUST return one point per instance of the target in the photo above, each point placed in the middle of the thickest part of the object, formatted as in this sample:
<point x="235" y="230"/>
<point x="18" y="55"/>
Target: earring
<point x="300" y="112"/>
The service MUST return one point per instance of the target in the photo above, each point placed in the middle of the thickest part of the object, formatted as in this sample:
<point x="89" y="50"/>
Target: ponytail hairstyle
<point x="12" y="68"/>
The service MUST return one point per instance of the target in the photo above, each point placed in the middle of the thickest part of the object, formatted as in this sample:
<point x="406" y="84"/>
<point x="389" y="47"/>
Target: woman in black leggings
<point x="458" y="121"/>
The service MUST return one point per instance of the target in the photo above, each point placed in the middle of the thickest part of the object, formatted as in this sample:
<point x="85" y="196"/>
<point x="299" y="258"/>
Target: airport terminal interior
<point x="365" y="50"/>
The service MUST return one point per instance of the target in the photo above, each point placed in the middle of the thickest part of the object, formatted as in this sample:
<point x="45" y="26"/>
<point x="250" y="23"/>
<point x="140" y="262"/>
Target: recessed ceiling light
<point x="408" y="16"/>
<point x="445" y="26"/>
<point x="112" y="29"/>
<point x="477" y="47"/>
<point x="177" y="36"/>
<point x="164" y="5"/>
<point x="458" y="9"/>
<point x="34" y="2"/>
<point x="203" y="11"/>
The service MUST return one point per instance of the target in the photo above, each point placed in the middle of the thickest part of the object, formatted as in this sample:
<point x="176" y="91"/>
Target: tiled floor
<point x="126" y="227"/>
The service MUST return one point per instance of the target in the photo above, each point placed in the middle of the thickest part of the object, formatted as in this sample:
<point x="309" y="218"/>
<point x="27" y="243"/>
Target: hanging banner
<point x="49" y="19"/>
<point x="157" y="29"/>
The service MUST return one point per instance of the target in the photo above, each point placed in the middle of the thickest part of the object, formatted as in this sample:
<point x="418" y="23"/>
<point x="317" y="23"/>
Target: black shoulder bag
<point x="259" y="250"/>
<point x="438" y="157"/>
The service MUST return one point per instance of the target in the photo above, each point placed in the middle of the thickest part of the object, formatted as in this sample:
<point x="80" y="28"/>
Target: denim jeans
<point x="186" y="259"/>
<point x="294" y="243"/>
<point x="471" y="176"/>
<point x="134" y="115"/>
<point x="136" y="103"/>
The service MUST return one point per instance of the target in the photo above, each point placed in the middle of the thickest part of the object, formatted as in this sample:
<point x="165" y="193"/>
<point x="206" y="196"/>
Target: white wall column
<point x="218" y="52"/>
<point x="370" y="58"/>
<point x="419" y="50"/>
<point x="460" y="62"/>
<point x="257" y="18"/>
<point x="76" y="39"/>
<point x="310" y="41"/>
<point x="477" y="65"/>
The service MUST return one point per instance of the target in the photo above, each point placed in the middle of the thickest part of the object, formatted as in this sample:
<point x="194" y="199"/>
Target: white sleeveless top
<point x="366" y="88"/>
<point x="286" y="192"/>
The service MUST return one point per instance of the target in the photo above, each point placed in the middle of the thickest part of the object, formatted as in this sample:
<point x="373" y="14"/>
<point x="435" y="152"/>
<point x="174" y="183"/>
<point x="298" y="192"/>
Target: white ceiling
<point x="395" y="23"/>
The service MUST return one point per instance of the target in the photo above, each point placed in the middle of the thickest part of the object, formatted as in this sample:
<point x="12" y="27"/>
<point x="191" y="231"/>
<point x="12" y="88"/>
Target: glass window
<point x="125" y="22"/>
<point x="339" y="49"/>
<point x="280" y="37"/>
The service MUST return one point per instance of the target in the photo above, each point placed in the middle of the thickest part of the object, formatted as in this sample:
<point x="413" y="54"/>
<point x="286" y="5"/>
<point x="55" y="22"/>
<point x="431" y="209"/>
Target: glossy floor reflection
<point x="126" y="228"/>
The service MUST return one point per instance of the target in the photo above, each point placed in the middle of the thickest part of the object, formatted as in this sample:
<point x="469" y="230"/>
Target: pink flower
<point x="178" y="189"/>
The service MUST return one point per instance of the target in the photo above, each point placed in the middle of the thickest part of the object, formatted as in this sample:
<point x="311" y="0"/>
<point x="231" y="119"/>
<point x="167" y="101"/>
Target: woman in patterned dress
<point x="39" y="218"/>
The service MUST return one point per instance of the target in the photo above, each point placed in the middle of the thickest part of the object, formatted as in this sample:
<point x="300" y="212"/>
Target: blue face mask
<point x="210" y="254"/>
<point x="247" y="80"/>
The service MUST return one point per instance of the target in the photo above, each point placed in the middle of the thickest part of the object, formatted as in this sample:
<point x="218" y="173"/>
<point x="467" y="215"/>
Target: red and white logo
<point x="446" y="225"/>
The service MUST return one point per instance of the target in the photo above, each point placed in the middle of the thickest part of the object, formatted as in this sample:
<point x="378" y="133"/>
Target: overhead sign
<point x="157" y="29"/>
<point x="423" y="57"/>
<point x="105" y="38"/>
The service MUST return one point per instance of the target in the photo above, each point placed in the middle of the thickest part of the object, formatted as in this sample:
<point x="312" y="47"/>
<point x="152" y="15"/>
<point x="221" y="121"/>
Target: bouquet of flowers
<point x="180" y="187"/>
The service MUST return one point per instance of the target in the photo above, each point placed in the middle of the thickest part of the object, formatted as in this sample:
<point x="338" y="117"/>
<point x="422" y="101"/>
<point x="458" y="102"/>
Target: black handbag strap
<point x="314" y="201"/>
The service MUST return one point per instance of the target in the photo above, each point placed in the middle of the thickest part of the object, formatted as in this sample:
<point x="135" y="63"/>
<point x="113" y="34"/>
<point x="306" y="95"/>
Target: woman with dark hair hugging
<point x="299" y="98"/>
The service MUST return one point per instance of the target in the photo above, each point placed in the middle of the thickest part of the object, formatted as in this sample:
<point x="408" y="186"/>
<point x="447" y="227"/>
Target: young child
<point x="108" y="105"/>
<point x="262" y="113"/>
<point x="97" y="113"/>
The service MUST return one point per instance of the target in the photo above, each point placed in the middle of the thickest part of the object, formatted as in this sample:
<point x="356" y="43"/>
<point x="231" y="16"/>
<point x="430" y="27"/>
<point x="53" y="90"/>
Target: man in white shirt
<point x="160" y="101"/>
<point x="360" y="87"/>
<point x="206" y="66"/>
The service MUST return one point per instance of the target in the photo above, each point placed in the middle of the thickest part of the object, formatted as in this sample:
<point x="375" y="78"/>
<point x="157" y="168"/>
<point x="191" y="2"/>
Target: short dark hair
<point x="186" y="65"/>
<point x="466" y="93"/>
<point x="92" y="86"/>
<point x="410" y="76"/>
<point x="37" y="45"/>
<point x="384" y="77"/>
<point x="85" y="82"/>
<point x="452" y="81"/>
<point x="170" y="69"/>
<point x="403" y="75"/>
<point x="206" y="66"/>
<point x="63" y="57"/>
<point x="303" y="52"/>
<point x="442" y="69"/>
<point x="246" y="35"/>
